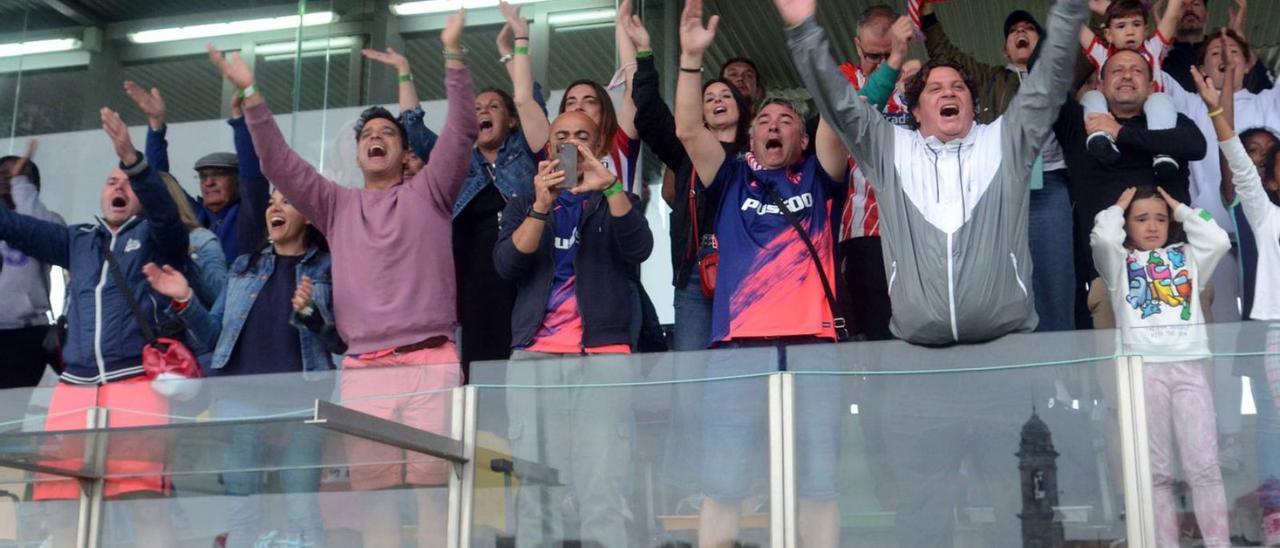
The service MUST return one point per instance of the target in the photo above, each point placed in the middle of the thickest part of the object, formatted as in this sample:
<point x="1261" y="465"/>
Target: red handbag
<point x="708" y="262"/>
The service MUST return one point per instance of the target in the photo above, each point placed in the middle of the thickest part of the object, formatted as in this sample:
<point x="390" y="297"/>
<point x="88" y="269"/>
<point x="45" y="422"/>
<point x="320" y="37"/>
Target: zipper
<point x="97" y="312"/>
<point x="893" y="275"/>
<point x="1017" y="277"/>
<point x="951" y="286"/>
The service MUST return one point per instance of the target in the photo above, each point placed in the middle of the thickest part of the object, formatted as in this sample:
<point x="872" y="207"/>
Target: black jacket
<point x="1095" y="187"/>
<point x="609" y="250"/>
<point x="657" y="128"/>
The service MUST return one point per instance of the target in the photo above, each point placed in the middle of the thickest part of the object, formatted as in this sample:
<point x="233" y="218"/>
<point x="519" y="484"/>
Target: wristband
<point x="1217" y="113"/>
<point x="460" y="55"/>
<point x="521" y="50"/>
<point x="644" y="54"/>
<point x="691" y="70"/>
<point x="406" y="77"/>
<point x="525" y="38"/>
<point x="614" y="188"/>
<point x="246" y="92"/>
<point x="533" y="213"/>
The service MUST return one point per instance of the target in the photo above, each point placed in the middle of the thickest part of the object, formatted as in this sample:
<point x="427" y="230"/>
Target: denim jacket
<point x="220" y="327"/>
<point x="512" y="172"/>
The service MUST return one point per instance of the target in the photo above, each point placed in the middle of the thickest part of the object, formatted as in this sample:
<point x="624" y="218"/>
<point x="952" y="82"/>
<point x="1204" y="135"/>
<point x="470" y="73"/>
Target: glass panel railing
<point x="623" y="450"/>
<point x="1008" y="443"/>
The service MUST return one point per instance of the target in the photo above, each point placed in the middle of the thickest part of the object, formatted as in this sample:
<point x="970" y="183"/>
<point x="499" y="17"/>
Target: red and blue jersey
<point x="622" y="160"/>
<point x="561" y="331"/>
<point x="768" y="285"/>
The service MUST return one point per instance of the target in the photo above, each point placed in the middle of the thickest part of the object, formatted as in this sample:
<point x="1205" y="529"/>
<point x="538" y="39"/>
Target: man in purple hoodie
<point x="393" y="276"/>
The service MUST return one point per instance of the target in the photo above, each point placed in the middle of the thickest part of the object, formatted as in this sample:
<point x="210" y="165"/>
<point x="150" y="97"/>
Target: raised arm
<point x="442" y="178"/>
<point x="655" y="124"/>
<point x="940" y="48"/>
<point x="151" y="103"/>
<point x="1239" y="171"/>
<point x="1106" y="240"/>
<point x="45" y="241"/>
<point x="864" y="132"/>
<point x="626" y="56"/>
<point x="880" y="86"/>
<point x="167" y="231"/>
<point x="205" y="324"/>
<point x="1030" y="115"/>
<point x="297" y="179"/>
<point x="421" y="139"/>
<point x="1167" y="26"/>
<point x="255" y="190"/>
<point x="26" y="199"/>
<point x="832" y="155"/>
<point x="533" y="120"/>
<point x="704" y="150"/>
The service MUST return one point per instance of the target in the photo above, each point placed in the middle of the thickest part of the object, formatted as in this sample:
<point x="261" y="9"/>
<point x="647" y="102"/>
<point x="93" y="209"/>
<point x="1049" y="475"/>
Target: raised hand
<point x="391" y="58"/>
<point x="302" y="296"/>
<point x="694" y="37"/>
<point x="519" y="25"/>
<point x="794" y="12"/>
<point x="633" y="26"/>
<point x="1204" y="86"/>
<point x="20" y="165"/>
<point x="1099" y="7"/>
<point x="546" y="185"/>
<point x="119" y="134"/>
<point x="1235" y="15"/>
<point x="237" y="106"/>
<point x="167" y="281"/>
<point x="150" y="103"/>
<point x="452" y="33"/>
<point x="1126" y="197"/>
<point x="1170" y="200"/>
<point x="901" y="33"/>
<point x="595" y="176"/>
<point x="232" y="67"/>
<point x="506" y="40"/>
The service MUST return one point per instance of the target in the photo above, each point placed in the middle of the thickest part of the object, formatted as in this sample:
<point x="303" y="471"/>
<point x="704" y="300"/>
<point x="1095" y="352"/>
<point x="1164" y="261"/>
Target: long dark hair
<point x="1269" y="165"/>
<point x="742" y="135"/>
<point x="608" y="125"/>
<point x="311" y="235"/>
<point x="1176" y="233"/>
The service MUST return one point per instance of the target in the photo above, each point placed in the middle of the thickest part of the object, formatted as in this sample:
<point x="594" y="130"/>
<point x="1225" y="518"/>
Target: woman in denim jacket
<point x="276" y="316"/>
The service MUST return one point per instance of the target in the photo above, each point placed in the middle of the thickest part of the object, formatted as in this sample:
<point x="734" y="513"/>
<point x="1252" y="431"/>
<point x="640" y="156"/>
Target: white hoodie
<point x="1264" y="219"/>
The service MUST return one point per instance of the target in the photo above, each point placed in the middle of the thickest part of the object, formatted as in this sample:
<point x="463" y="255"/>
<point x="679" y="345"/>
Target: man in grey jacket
<point x="953" y="193"/>
<point x="24" y="282"/>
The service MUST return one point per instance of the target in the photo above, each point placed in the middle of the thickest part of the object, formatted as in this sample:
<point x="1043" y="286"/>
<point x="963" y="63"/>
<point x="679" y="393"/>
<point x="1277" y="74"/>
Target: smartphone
<point x="567" y="153"/>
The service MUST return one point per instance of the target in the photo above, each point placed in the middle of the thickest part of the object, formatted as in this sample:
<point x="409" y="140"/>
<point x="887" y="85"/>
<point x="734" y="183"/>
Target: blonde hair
<point x="180" y="199"/>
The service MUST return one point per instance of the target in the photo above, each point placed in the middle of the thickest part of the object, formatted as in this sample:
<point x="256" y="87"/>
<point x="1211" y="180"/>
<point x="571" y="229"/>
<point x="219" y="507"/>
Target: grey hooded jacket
<point x="953" y="215"/>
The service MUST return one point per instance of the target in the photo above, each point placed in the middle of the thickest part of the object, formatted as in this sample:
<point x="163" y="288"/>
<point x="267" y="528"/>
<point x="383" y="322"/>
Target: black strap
<point x="123" y="286"/>
<point x="837" y="319"/>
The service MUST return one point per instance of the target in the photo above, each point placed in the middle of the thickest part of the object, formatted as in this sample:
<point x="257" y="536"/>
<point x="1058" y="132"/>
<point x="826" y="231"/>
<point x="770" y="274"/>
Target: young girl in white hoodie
<point x="1155" y="255"/>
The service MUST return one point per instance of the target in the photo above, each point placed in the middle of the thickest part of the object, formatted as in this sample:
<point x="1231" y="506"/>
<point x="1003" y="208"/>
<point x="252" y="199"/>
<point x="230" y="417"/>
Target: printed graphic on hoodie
<point x="768" y="285"/>
<point x="1160" y="283"/>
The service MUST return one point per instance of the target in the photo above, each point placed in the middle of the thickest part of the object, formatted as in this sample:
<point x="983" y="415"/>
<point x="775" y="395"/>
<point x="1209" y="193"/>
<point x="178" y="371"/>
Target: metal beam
<point x="73" y="11"/>
<point x="331" y="416"/>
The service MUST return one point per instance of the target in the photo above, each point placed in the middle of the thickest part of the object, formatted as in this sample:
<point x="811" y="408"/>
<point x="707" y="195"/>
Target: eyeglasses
<point x="875" y="57"/>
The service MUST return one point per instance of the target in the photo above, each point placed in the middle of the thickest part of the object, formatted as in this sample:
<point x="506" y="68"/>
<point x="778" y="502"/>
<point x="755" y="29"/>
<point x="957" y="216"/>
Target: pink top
<point x="393" y="277"/>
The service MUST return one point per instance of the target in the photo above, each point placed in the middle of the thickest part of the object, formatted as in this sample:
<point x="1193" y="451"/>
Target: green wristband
<point x="614" y="188"/>
<point x="644" y="54"/>
<point x="407" y="77"/>
<point x="522" y="50"/>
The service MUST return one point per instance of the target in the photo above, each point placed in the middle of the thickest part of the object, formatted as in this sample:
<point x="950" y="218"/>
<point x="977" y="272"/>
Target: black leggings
<point x="22" y="357"/>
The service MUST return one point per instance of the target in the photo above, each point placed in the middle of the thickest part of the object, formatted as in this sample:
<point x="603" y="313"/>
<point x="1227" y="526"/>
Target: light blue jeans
<point x="297" y="460"/>
<point x="1051" y="234"/>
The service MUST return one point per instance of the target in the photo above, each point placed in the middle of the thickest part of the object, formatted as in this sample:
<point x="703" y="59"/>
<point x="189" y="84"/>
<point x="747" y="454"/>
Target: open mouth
<point x="773" y="144"/>
<point x="119" y="201"/>
<point x="486" y="125"/>
<point x="277" y="222"/>
<point x="377" y="151"/>
<point x="949" y="111"/>
<point x="1021" y="43"/>
<point x="719" y="110"/>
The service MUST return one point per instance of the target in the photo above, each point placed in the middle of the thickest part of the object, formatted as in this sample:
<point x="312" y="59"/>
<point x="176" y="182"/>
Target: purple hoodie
<point x="393" y="276"/>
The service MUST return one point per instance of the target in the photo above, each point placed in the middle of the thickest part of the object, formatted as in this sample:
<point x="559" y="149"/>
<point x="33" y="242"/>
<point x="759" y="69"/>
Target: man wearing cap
<point x="219" y="204"/>
<point x="1051" y="245"/>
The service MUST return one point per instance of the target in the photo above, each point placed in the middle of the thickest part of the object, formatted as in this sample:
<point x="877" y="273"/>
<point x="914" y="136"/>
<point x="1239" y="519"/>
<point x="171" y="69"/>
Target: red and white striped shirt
<point x="1154" y="49"/>
<point x="861" y="215"/>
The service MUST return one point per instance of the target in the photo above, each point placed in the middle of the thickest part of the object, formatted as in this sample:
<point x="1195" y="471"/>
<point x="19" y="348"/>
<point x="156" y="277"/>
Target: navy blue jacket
<point x="609" y="250"/>
<point x="104" y="342"/>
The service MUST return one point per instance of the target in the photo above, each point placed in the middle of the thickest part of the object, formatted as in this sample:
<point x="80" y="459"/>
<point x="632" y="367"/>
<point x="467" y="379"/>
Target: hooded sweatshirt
<point x="953" y="215"/>
<point x="24" y="281"/>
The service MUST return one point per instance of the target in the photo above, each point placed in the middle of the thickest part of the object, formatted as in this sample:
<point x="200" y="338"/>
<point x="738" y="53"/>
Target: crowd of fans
<point x="942" y="201"/>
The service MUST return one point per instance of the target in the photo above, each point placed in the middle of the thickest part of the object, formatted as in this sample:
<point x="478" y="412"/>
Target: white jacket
<point x="1264" y="219"/>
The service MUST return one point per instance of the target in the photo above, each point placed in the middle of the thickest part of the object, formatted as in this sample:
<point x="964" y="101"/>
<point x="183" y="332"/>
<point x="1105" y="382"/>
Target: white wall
<point x="74" y="165"/>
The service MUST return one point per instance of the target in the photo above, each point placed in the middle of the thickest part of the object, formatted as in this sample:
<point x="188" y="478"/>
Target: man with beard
<point x="1190" y="36"/>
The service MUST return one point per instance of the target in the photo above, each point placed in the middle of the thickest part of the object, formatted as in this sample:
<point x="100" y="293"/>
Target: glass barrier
<point x="610" y="451"/>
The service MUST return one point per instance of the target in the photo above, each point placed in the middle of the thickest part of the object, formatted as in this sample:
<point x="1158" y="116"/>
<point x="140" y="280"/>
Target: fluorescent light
<point x="319" y="44"/>
<point x="581" y="17"/>
<point x="38" y="46"/>
<point x="231" y="27"/>
<point x="443" y="6"/>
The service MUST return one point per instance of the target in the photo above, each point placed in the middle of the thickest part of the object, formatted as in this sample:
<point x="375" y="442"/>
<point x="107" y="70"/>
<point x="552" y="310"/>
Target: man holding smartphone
<point x="581" y="235"/>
